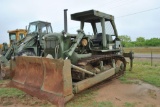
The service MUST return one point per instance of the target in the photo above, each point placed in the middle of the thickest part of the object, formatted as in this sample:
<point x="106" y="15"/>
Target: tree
<point x="140" y="39"/>
<point x="153" y="42"/>
<point x="125" y="40"/>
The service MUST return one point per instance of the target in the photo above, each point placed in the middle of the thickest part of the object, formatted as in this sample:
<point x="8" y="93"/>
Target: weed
<point x="1" y="81"/>
<point x="102" y="104"/>
<point x="85" y="99"/>
<point x="11" y="92"/>
<point x="127" y="104"/>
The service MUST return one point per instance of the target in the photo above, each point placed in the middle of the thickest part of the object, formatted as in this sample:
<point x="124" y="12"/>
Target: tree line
<point x="140" y="41"/>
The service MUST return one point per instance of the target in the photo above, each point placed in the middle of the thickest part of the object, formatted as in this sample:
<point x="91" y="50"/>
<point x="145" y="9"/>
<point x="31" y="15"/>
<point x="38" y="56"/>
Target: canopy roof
<point x="91" y="16"/>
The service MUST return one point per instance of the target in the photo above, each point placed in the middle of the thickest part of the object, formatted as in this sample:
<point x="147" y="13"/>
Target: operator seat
<point x="98" y="40"/>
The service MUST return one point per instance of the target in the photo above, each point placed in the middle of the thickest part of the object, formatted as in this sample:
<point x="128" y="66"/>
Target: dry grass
<point x="155" y="50"/>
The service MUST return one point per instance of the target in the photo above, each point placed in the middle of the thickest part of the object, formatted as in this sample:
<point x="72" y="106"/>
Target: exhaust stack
<point x="65" y="20"/>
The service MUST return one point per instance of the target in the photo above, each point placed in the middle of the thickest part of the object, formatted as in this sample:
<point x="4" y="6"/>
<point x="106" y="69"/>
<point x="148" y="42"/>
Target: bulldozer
<point x="72" y="63"/>
<point x="31" y="44"/>
<point x="14" y="35"/>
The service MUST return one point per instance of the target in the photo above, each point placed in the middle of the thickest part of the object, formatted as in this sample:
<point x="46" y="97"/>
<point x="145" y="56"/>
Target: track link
<point x="97" y="58"/>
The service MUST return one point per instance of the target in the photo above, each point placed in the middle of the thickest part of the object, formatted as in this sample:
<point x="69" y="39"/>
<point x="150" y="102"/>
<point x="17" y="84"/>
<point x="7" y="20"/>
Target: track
<point x="93" y="64"/>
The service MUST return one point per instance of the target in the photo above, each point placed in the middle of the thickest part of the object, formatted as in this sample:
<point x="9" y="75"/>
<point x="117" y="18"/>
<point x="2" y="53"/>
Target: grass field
<point x="155" y="50"/>
<point x="142" y="70"/>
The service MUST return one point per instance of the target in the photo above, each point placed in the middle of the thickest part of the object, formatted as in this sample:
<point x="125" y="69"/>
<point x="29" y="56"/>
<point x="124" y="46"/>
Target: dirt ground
<point x="138" y="93"/>
<point x="25" y="101"/>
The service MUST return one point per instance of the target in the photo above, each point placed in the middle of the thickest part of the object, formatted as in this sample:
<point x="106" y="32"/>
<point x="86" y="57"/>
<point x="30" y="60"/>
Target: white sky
<point x="16" y="14"/>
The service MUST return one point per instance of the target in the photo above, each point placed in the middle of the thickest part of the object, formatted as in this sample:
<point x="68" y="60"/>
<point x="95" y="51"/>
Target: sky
<point x="135" y="18"/>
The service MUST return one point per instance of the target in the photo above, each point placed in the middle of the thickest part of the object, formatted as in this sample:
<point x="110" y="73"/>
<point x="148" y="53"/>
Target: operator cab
<point x="102" y="28"/>
<point x="40" y="27"/>
<point x="34" y="41"/>
<point x="16" y="35"/>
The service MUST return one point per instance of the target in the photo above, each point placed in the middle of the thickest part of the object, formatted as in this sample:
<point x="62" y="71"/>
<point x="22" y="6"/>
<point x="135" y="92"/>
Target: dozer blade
<point x="45" y="78"/>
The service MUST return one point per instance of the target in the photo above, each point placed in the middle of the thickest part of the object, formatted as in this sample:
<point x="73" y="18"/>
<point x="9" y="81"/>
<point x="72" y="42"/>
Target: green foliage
<point x="124" y="39"/>
<point x="129" y="44"/>
<point x="140" y="41"/>
<point x="139" y="44"/>
<point x="153" y="42"/>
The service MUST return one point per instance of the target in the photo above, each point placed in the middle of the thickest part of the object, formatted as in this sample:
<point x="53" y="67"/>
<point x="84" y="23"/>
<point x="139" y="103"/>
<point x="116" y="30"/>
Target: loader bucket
<point x="45" y="78"/>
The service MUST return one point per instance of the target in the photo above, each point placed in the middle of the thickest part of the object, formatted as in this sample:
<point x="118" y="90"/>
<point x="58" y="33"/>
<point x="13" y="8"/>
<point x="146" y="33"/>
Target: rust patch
<point x="53" y="80"/>
<point x="34" y="72"/>
<point x="45" y="78"/>
<point x="20" y="71"/>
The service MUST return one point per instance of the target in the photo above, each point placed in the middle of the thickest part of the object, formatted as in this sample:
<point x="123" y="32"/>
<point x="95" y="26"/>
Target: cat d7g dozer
<point x="73" y="62"/>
